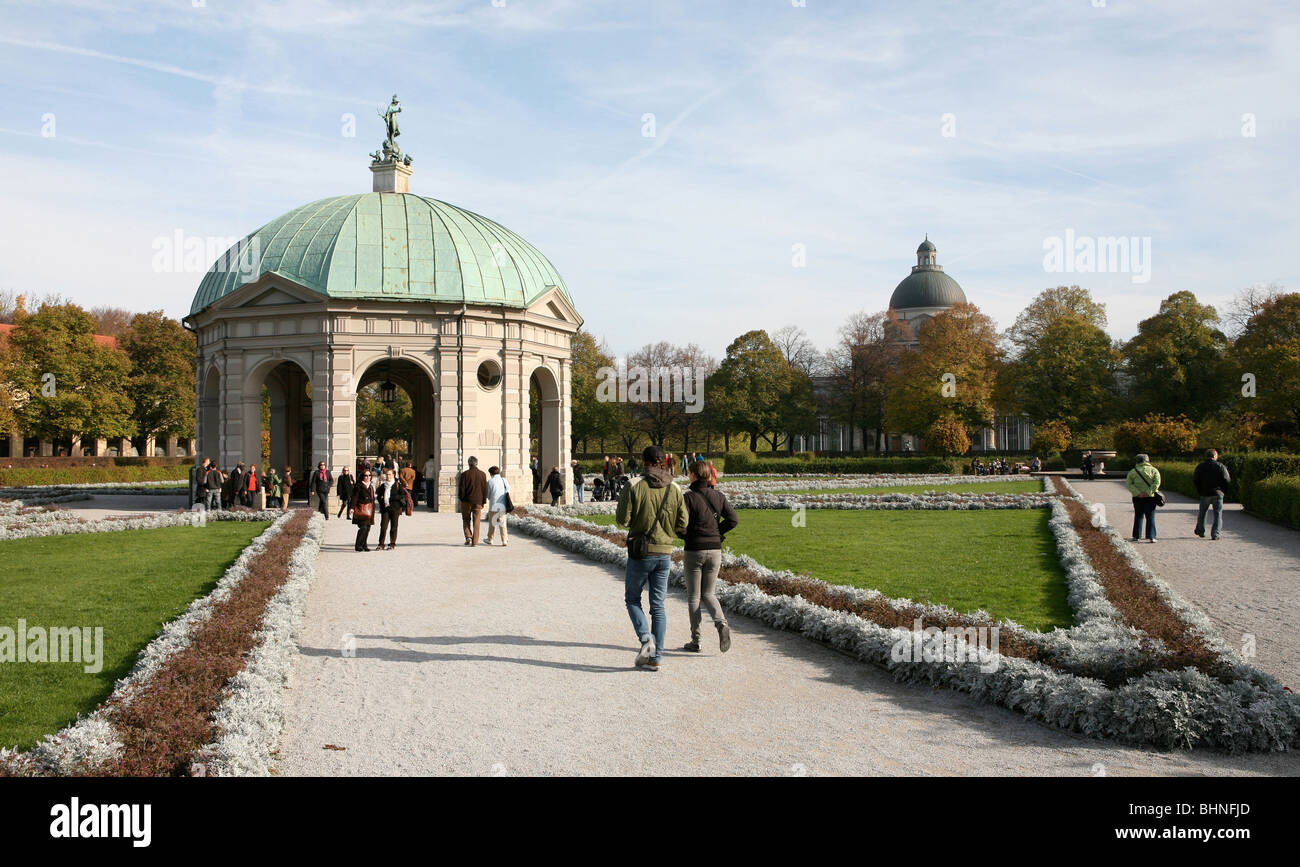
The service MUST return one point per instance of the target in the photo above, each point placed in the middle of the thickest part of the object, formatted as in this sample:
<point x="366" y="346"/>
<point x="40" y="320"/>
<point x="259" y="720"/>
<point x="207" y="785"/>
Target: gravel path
<point x="1247" y="583"/>
<point x="518" y="660"/>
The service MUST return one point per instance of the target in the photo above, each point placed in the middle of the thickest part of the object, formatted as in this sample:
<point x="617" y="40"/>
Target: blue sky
<point x="776" y="125"/>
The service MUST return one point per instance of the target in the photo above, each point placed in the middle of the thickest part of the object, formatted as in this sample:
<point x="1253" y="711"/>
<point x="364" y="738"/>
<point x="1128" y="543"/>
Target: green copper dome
<point x="390" y="246"/>
<point x="927" y="289"/>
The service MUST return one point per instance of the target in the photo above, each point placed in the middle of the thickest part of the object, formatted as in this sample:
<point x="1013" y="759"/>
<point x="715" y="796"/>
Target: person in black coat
<point x="347" y="482"/>
<point x="321" y="483"/>
<point x="390" y="504"/>
<point x="1211" y="479"/>
<point x="555" y="485"/>
<point x="363" y="494"/>
<point x="710" y="517"/>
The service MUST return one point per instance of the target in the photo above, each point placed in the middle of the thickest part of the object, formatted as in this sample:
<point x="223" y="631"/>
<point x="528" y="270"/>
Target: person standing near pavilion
<point x="273" y="488"/>
<point x="654" y="511"/>
<point x="472" y="491"/>
<point x="213" y="479"/>
<point x="498" y="494"/>
<point x="363" y="510"/>
<point x="579" y="490"/>
<point x="286" y="486"/>
<point x="198" y="482"/>
<point x="430" y="480"/>
<point x="250" y="486"/>
<point x="347" y="483"/>
<point x="390" y="503"/>
<point x="322" y="481"/>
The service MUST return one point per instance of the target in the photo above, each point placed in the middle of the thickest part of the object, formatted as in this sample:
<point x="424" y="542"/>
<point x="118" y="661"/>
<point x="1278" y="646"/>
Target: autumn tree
<point x="1268" y="352"/>
<point x="951" y="371"/>
<point x="65" y="383"/>
<point x="161" y="382"/>
<point x="1177" y="362"/>
<point x="1063" y="365"/>
<point x="859" y="367"/>
<point x="947" y="436"/>
<point x="380" y="422"/>
<point x="592" y="419"/>
<point x="751" y="383"/>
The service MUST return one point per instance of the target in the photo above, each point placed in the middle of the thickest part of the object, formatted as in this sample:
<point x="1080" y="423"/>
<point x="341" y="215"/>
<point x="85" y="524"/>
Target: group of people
<point x="1210" y="478"/>
<point x="655" y="511"/>
<point x="241" y="486"/>
<point x="1001" y="467"/>
<point x="1092" y="467"/>
<point x="475" y="490"/>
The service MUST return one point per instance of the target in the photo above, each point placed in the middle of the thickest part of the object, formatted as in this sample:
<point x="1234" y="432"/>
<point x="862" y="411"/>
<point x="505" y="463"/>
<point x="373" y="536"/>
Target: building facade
<point x="390" y="288"/>
<point x="923" y="294"/>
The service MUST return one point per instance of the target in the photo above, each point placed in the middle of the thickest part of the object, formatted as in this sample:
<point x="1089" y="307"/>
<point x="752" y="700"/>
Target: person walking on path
<point x="363" y="510"/>
<point x="321" y="482"/>
<point x="579" y="491"/>
<point x="555" y="485"/>
<point x="407" y="475"/>
<point x="1211" y="479"/>
<point x="1143" y="482"/>
<point x="472" y="491"/>
<point x="654" y="511"/>
<point x="390" y="503"/>
<point x="430" y="478"/>
<point x="536" y="466"/>
<point x="498" y="493"/>
<point x="286" y="487"/>
<point x="347" y="482"/>
<point x="1088" y="466"/>
<point x="710" y="519"/>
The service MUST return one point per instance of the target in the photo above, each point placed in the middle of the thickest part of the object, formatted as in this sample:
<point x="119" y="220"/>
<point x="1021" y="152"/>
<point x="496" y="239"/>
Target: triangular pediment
<point x="555" y="305"/>
<point x="268" y="290"/>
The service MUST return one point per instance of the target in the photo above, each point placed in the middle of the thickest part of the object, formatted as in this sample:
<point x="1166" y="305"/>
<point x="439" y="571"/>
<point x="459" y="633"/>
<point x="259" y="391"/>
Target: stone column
<point x="101" y="447"/>
<point x="123" y="447"/>
<point x="15" y="444"/>
<point x="172" y="447"/>
<point x="449" y="385"/>
<point x="149" y="445"/>
<point x="46" y="449"/>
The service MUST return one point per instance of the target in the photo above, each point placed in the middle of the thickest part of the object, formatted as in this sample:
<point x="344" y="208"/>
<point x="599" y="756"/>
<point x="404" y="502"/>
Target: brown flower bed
<point x="819" y="593"/>
<point x="169" y="717"/>
<point x="1137" y="601"/>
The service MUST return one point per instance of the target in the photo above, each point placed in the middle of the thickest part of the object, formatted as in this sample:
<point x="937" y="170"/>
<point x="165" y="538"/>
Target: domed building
<point x="923" y="294"/>
<point x="397" y="290"/>
<point x="927" y="291"/>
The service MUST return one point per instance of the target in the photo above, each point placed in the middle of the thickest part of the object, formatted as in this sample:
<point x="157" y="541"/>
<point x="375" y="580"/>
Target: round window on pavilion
<point x="489" y="374"/>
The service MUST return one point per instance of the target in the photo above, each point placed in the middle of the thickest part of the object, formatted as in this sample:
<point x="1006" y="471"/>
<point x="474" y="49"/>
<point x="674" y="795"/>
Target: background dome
<point x="391" y="246"/>
<point x="927" y="288"/>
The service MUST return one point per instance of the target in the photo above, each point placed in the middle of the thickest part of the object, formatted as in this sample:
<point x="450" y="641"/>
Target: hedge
<point x="1276" y="499"/>
<point x="743" y="463"/>
<point x="18" y="477"/>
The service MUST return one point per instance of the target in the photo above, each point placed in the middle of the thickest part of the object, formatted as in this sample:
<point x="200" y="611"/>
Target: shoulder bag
<point x="638" y="544"/>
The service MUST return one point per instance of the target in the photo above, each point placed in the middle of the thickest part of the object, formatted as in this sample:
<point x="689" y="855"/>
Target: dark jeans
<point x="363" y="536"/>
<point x="388" y="523"/>
<point x="1212" y="502"/>
<point x="324" y="509"/>
<point x="1144" y="507"/>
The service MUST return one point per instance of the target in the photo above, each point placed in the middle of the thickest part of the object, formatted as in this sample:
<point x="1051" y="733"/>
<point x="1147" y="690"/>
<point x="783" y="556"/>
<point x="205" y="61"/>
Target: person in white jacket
<point x="498" y="489"/>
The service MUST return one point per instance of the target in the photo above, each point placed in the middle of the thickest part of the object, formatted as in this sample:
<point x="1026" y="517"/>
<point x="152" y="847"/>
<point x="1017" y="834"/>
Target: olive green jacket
<point x="640" y="505"/>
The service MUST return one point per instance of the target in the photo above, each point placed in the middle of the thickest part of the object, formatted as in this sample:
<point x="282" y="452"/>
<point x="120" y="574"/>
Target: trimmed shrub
<point x="947" y="436"/>
<point x="1156" y="434"/>
<point x="739" y="463"/>
<point x="18" y="477"/>
<point x="1276" y="499"/>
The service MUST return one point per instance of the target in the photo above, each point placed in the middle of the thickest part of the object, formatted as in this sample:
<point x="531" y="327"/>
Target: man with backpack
<point x="654" y="512"/>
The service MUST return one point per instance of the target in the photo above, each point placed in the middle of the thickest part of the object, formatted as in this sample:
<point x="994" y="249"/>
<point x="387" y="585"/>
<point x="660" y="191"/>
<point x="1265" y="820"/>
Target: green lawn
<point x="129" y="582"/>
<point x="1001" y="560"/>
<point x="1019" y="487"/>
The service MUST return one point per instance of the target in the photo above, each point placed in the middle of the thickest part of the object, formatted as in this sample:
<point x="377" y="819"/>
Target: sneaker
<point x="468" y="542"/>
<point x="1200" y="533"/>
<point x="1152" y="541"/>
<point x="1135" y="539"/>
<point x="646" y="653"/>
<point x="724" y="637"/>
<point x="652" y="665"/>
<point x="692" y="646"/>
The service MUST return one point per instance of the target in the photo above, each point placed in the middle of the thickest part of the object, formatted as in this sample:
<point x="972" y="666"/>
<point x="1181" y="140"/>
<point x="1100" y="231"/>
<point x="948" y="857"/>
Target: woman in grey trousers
<point x="710" y="519"/>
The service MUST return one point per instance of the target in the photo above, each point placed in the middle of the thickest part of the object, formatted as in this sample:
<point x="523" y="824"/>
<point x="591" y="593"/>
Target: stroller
<point x="598" y="491"/>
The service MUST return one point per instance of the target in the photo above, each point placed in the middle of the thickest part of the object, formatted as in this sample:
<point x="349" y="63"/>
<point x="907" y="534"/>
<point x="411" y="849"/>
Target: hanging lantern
<point x="387" y="392"/>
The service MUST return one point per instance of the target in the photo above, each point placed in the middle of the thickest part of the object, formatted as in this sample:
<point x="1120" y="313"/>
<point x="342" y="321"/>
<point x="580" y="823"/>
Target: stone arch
<point x="210" y="415"/>
<point x="550" y="418"/>
<point x="288" y="382"/>
<point x="413" y="375"/>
